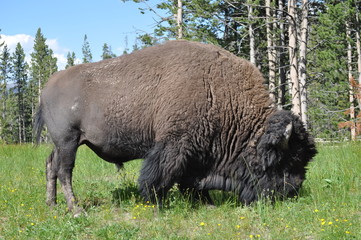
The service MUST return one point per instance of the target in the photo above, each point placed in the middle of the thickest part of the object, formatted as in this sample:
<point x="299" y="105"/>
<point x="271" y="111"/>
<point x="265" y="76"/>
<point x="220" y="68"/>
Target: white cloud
<point x="61" y="60"/>
<point x="27" y="42"/>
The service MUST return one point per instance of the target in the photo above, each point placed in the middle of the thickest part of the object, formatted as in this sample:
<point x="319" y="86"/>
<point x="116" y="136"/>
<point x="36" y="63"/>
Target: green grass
<point x="328" y="207"/>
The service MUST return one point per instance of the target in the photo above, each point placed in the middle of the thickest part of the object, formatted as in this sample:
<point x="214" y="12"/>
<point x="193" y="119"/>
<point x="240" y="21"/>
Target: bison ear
<point x="283" y="144"/>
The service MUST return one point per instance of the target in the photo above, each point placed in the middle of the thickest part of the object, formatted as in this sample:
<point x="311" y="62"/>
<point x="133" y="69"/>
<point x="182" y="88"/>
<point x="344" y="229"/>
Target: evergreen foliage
<point x="5" y="70"/>
<point x="70" y="60"/>
<point x="21" y="86"/>
<point x="107" y="52"/>
<point x="87" y="55"/>
<point x="21" y="122"/>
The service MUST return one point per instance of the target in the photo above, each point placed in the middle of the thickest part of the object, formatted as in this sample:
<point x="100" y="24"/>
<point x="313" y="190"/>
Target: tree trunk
<point x="351" y="94"/>
<point x="292" y="45"/>
<point x="358" y="47"/>
<point x="302" y="66"/>
<point x="252" y="54"/>
<point x="180" y="19"/>
<point x="271" y="54"/>
<point x="282" y="56"/>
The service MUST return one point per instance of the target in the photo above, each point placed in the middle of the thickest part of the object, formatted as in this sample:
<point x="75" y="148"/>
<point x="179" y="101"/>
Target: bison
<point x="198" y="115"/>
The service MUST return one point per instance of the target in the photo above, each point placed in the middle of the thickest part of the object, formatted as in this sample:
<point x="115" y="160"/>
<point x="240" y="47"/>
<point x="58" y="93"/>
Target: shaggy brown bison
<point x="198" y="115"/>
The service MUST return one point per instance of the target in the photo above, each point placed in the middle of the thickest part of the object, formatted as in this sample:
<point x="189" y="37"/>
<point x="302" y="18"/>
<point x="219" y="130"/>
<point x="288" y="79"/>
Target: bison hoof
<point x="79" y="212"/>
<point x="51" y="202"/>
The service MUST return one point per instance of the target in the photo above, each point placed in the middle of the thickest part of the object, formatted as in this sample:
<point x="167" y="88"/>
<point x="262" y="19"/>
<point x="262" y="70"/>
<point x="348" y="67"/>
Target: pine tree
<point x="70" y="60"/>
<point x="107" y="52"/>
<point x="5" y="69"/>
<point x="20" y="83"/>
<point x="87" y="55"/>
<point x="1" y="43"/>
<point x="42" y="66"/>
<point x="327" y="66"/>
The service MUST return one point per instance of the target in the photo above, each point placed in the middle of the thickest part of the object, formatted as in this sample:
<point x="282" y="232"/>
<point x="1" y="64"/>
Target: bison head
<point x="283" y="152"/>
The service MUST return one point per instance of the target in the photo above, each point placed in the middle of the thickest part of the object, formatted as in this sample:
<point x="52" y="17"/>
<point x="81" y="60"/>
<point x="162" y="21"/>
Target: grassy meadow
<point x="328" y="206"/>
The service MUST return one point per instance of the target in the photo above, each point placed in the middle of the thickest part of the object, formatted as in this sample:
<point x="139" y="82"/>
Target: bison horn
<point x="283" y="144"/>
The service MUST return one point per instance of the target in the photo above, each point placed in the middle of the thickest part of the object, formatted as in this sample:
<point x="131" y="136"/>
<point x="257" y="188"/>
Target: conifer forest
<point x="309" y="52"/>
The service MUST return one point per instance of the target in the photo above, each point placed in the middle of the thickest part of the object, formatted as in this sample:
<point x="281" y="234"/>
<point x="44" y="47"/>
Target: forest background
<point x="308" y="50"/>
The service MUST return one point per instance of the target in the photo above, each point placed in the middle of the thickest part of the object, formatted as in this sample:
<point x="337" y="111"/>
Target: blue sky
<point x="64" y="24"/>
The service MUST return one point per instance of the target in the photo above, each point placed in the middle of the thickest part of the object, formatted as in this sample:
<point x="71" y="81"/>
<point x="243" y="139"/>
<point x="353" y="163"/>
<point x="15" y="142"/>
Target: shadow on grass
<point x="126" y="194"/>
<point x="129" y="194"/>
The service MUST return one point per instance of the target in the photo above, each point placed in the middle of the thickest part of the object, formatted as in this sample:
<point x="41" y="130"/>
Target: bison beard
<point x="198" y="115"/>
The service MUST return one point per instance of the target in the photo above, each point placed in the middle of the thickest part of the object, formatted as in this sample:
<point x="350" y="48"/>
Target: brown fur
<point x="191" y="110"/>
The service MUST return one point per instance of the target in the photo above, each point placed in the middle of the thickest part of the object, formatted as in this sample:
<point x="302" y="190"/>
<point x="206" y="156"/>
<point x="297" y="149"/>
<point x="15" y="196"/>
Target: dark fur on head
<point x="284" y="151"/>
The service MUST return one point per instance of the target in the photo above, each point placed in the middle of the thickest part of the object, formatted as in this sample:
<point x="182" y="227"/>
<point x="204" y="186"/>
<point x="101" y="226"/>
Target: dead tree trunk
<point x="271" y="53"/>
<point x="180" y="19"/>
<point x="292" y="45"/>
<point x="302" y="66"/>
<point x="351" y="94"/>
<point x="282" y="63"/>
<point x="252" y="54"/>
<point x="358" y="47"/>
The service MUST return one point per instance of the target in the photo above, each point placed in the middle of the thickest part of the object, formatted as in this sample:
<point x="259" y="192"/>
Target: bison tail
<point x="38" y="124"/>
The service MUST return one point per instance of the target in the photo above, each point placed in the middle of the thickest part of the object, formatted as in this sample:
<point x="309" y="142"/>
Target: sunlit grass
<point x="328" y="206"/>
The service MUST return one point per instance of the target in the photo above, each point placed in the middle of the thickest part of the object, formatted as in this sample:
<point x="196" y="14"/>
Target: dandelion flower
<point x="347" y="232"/>
<point x="202" y="224"/>
<point x="316" y="210"/>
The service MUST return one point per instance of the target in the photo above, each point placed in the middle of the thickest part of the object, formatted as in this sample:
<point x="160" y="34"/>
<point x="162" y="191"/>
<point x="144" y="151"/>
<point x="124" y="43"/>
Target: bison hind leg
<point x="162" y="167"/>
<point x="51" y="180"/>
<point x="59" y="165"/>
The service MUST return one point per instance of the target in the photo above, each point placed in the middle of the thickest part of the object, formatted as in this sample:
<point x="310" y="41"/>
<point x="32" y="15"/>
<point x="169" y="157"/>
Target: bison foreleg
<point x="162" y="167"/>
